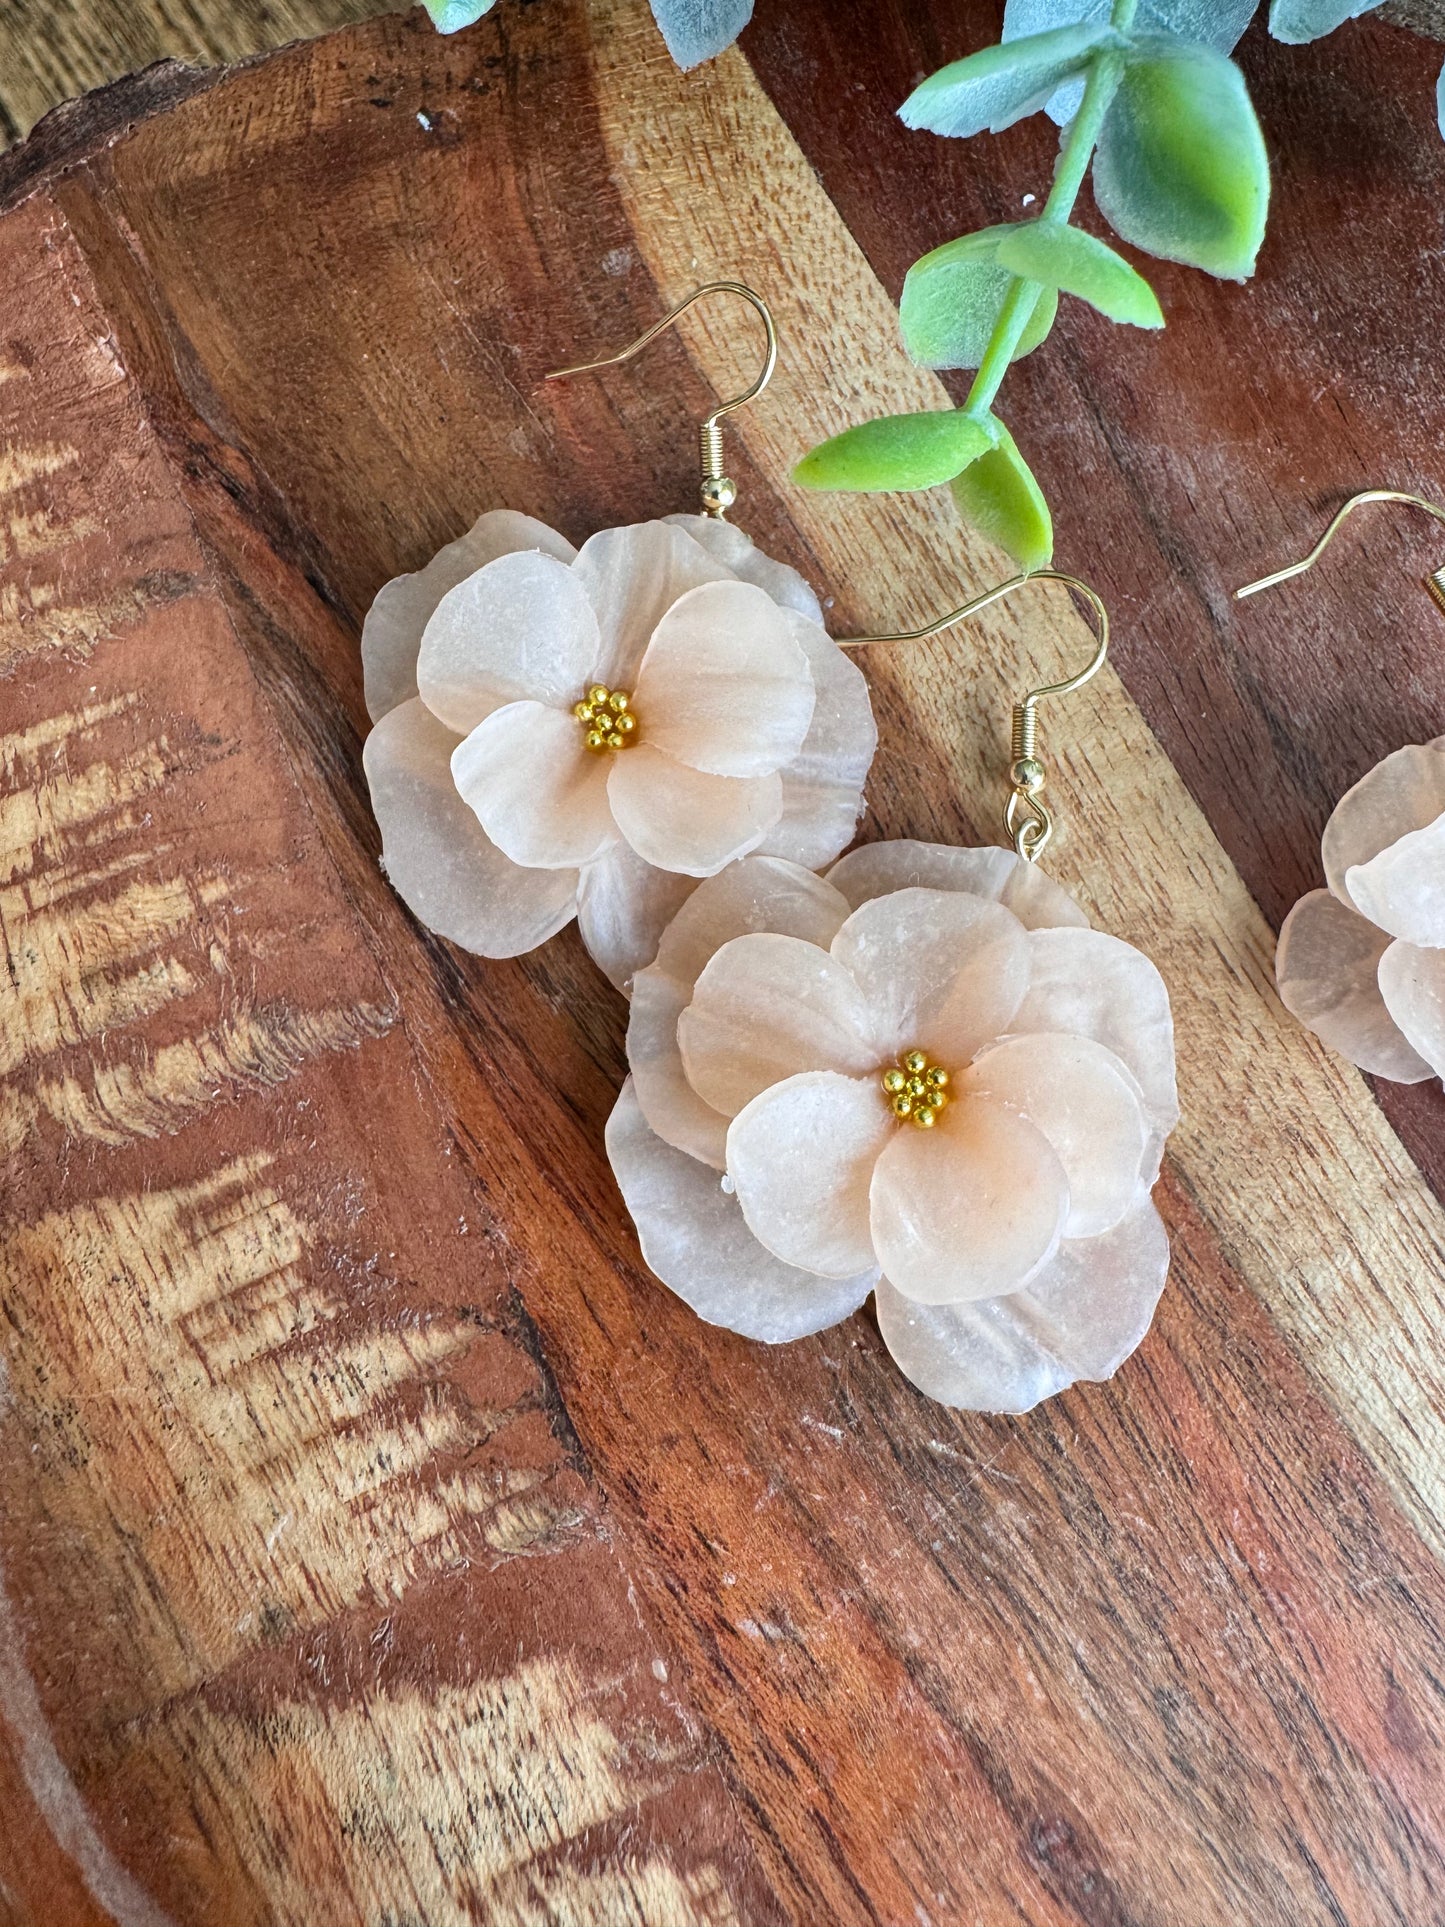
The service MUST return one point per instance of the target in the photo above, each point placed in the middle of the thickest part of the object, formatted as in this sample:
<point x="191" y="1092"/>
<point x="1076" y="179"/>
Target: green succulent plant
<point x="1151" y="106"/>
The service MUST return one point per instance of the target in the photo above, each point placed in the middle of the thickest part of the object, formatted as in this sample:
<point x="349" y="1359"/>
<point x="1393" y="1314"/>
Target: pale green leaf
<point x="998" y="496"/>
<point x="450" y="16"/>
<point x="1218" y="23"/>
<point x="1440" y="99"/>
<point x="1181" y="169"/>
<point x="952" y="298"/>
<point x="897" y="451"/>
<point x="1296" y="21"/>
<point x="697" y="30"/>
<point x="1080" y="264"/>
<point x="1000" y="85"/>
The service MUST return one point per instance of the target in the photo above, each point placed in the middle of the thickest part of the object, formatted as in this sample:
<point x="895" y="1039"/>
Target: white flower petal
<point x="765" y="1008"/>
<point x="880" y="868"/>
<point x="939" y="969"/>
<point x="1088" y="1105"/>
<point x="391" y="633"/>
<point x="724" y="686"/>
<point x="1327" y="969"/>
<point x="439" y="860"/>
<point x="519" y="629"/>
<point x="687" y="819"/>
<point x="667" y="1100"/>
<point x="1403" y="793"/>
<point x="695" y="1239"/>
<point x="1403" y="888"/>
<point x="802" y="1157"/>
<point x="1080" y="1318"/>
<point x="735" y="550"/>
<point x="1412" y="981"/>
<point x="538" y="792"/>
<point x="1090" y="984"/>
<point x="972" y="1208"/>
<point x="756" y="893"/>
<point x="632" y="576"/>
<point x="623" y="909"/>
<point x="823" y="784"/>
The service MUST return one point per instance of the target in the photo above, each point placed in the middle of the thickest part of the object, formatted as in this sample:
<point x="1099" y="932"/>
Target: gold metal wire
<point x="719" y="492"/>
<point x="1434" y="584"/>
<point x="1027" y="818"/>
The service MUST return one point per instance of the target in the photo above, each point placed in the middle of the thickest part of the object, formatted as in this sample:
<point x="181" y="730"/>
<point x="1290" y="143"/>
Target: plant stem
<point x="1076" y="150"/>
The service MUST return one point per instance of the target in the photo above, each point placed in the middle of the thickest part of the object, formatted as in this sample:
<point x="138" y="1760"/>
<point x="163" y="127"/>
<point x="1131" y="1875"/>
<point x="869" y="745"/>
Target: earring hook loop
<point x="1434" y="583"/>
<point x="1027" y="818"/>
<point x="718" y="491"/>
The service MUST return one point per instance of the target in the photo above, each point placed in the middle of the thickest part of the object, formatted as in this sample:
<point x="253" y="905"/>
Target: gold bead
<point x="917" y="1087"/>
<point x="718" y="494"/>
<point x="1027" y="774"/>
<point x="915" y="1062"/>
<point x="903" y="1105"/>
<point x="583" y="712"/>
<point x="596" y="740"/>
<point x="597" y="695"/>
<point x="937" y="1077"/>
<point x="923" y="1117"/>
<point x="619" y="699"/>
<point x="627" y="722"/>
<point x="893" y="1081"/>
<point x="614" y="741"/>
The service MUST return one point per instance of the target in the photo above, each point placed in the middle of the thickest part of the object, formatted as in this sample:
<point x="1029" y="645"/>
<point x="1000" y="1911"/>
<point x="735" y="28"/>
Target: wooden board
<point x="379" y="1542"/>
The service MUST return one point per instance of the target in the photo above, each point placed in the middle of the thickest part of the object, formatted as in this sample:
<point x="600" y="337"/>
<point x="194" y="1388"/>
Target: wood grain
<point x="373" y="1526"/>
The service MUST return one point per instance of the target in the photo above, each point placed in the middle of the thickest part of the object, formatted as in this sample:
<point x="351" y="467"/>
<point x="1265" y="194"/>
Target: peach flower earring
<point x="1361" y="963"/>
<point x="921" y="1076"/>
<point x="586" y="733"/>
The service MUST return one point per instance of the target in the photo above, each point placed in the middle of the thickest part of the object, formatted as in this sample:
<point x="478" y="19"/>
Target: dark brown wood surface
<point x="379" y="1543"/>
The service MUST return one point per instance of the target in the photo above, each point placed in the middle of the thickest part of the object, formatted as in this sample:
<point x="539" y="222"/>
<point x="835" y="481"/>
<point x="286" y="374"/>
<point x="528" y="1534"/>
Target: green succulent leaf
<point x="1296" y="21"/>
<point x="896" y="452"/>
<point x="997" y="495"/>
<point x="1076" y="263"/>
<point x="1000" y="85"/>
<point x="952" y="298"/>
<point x="1218" y="23"/>
<point x="450" y="16"/>
<point x="1181" y="169"/>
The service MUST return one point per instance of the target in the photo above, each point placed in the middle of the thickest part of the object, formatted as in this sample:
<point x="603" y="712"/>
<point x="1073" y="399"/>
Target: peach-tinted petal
<point x="724" y="686"/>
<point x="1080" y="1318"/>
<point x="1094" y="985"/>
<point x="518" y="629"/>
<point x="1403" y="793"/>
<point x="391" y="633"/>
<point x="1403" y="888"/>
<point x="436" y="854"/>
<point x="939" y="969"/>
<point x="1087" y="1104"/>
<point x="694" y="1237"/>
<point x="802" y="1156"/>
<point x="1327" y="969"/>
<point x="632" y="576"/>
<point x="765" y="1008"/>
<point x="687" y="819"/>
<point x="1412" y="981"/>
<point x="758" y="893"/>
<point x="972" y="1208"/>
<point x="538" y="792"/>
<point x="880" y="868"/>
<point x="823" y="784"/>
<point x="623" y="909"/>
<point x="726" y="543"/>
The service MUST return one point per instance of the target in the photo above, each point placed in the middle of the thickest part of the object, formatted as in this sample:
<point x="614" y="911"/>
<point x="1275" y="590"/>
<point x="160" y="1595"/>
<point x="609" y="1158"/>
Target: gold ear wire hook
<point x="718" y="491"/>
<point x="1026" y="816"/>
<point x="1434" y="583"/>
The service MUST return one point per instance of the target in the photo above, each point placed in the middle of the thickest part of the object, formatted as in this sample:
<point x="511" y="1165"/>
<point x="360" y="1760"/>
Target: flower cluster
<point x="507" y="679"/>
<point x="1362" y="962"/>
<point x="775" y="1155"/>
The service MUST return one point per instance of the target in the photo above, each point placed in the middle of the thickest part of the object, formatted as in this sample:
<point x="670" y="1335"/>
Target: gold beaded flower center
<point x="607" y="717"/>
<point x="916" y="1089"/>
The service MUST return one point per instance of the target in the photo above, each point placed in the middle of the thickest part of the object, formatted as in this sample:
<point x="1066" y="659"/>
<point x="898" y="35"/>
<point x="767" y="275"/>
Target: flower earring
<point x="562" y="732"/>
<point x="922" y="1076"/>
<point x="1361" y="963"/>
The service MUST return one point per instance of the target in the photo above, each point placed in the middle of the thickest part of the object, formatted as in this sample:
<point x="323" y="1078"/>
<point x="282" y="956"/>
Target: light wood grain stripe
<point x="1312" y="1196"/>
